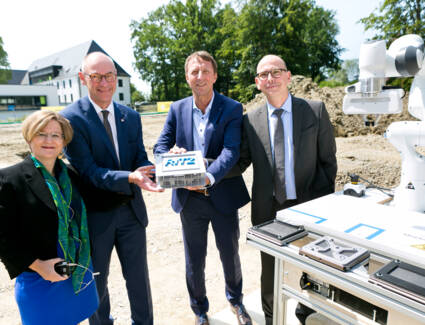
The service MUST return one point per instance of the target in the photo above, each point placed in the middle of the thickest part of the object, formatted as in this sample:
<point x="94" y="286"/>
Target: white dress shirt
<point x="286" y="117"/>
<point x="200" y="122"/>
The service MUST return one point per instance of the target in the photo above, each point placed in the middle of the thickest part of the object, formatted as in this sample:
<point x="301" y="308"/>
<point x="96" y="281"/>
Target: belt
<point x="203" y="191"/>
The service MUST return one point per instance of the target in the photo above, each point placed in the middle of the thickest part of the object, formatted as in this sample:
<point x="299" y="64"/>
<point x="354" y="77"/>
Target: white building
<point x="61" y="71"/>
<point x="21" y="97"/>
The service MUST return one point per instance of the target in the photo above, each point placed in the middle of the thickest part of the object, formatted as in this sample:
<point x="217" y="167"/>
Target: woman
<point x="42" y="222"/>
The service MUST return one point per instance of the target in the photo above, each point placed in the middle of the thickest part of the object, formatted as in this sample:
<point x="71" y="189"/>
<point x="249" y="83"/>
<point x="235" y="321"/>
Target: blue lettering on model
<point x="180" y="162"/>
<point x="190" y="161"/>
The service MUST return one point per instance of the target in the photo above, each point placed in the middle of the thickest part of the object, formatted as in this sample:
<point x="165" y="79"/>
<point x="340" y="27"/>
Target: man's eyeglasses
<point x="97" y="77"/>
<point x="275" y="73"/>
<point x="57" y="137"/>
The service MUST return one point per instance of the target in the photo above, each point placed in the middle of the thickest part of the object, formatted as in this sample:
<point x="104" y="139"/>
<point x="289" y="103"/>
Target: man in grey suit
<point x="291" y="145"/>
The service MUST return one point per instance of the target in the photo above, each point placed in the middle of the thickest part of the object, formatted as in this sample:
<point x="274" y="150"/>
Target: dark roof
<point x="17" y="76"/>
<point x="70" y="60"/>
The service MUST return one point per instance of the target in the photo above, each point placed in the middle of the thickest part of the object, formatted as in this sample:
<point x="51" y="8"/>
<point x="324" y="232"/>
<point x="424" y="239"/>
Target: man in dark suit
<point x="293" y="162"/>
<point x="108" y="152"/>
<point x="211" y="123"/>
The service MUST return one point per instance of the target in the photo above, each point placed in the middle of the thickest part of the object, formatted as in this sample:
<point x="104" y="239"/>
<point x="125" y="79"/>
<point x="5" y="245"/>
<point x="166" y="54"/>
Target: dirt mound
<point x="344" y="125"/>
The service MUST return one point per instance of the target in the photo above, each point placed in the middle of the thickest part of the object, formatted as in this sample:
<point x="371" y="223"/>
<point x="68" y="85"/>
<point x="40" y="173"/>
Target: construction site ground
<point x="359" y="150"/>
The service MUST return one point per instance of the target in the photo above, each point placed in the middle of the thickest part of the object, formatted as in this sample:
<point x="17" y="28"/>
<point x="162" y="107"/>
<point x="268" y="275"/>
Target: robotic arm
<point x="404" y="58"/>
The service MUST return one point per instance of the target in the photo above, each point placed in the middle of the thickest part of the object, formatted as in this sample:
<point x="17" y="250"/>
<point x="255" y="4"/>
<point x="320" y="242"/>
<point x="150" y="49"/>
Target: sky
<point x="348" y="13"/>
<point x="34" y="29"/>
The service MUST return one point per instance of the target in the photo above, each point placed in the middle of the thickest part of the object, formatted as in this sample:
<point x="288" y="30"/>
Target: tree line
<point x="237" y="36"/>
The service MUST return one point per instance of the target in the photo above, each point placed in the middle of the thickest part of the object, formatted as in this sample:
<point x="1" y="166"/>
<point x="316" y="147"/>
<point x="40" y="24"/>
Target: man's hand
<point x="194" y="188"/>
<point x="141" y="177"/>
<point x="177" y="150"/>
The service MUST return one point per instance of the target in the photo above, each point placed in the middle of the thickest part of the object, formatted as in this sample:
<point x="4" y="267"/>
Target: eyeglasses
<point x="57" y="137"/>
<point x="97" y="77"/>
<point x="275" y="73"/>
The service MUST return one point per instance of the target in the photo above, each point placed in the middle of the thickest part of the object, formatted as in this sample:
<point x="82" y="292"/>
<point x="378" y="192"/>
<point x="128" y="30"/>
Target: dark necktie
<point x="107" y="126"/>
<point x="279" y="158"/>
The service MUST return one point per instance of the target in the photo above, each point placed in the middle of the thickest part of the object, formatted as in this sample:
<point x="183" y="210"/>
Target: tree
<point x="347" y="74"/>
<point x="237" y="38"/>
<point x="136" y="96"/>
<point x="5" y="73"/>
<point x="164" y="39"/>
<point x="279" y="27"/>
<point x="226" y="51"/>
<point x="352" y="69"/>
<point x="397" y="18"/>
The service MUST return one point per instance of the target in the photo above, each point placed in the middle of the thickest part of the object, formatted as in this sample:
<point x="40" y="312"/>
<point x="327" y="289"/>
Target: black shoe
<point x="202" y="320"/>
<point x="241" y="314"/>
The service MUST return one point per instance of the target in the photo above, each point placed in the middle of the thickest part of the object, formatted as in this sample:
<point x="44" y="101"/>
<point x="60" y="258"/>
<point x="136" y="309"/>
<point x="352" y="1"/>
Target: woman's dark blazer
<point x="28" y="217"/>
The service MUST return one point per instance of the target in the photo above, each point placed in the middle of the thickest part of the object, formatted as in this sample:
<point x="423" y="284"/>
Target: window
<point x="121" y="96"/>
<point x="59" y="99"/>
<point x="63" y="82"/>
<point x="26" y="101"/>
<point x="22" y="101"/>
<point x="72" y="97"/>
<point x="57" y="84"/>
<point x="64" y="98"/>
<point x="70" y="83"/>
<point x="119" y="82"/>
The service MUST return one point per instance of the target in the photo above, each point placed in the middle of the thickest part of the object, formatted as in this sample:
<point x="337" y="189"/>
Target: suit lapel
<point x="261" y="120"/>
<point x="296" y="125"/>
<point x="212" y="120"/>
<point x="121" y="124"/>
<point x="187" y="120"/>
<point x="37" y="184"/>
<point x="97" y="125"/>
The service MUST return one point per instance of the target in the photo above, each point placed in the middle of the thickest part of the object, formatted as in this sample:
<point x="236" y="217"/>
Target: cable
<point x="85" y="268"/>
<point x="84" y="285"/>
<point x="371" y="185"/>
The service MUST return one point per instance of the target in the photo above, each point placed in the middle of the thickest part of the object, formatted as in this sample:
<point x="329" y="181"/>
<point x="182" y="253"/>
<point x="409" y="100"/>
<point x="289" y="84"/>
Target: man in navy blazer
<point x="108" y="152"/>
<point x="211" y="123"/>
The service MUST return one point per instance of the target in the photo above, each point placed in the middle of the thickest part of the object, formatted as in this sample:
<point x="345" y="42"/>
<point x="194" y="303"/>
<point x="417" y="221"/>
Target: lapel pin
<point x="122" y="120"/>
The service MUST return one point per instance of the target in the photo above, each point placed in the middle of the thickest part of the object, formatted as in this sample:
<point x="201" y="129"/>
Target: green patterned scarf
<point x="73" y="237"/>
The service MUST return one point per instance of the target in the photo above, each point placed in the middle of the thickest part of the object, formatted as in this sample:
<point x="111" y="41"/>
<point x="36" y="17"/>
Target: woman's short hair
<point x="38" y="120"/>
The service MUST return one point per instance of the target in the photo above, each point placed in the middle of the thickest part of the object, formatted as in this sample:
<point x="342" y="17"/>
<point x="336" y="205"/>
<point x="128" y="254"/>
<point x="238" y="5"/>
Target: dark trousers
<point x="129" y="238"/>
<point x="267" y="277"/>
<point x="196" y="215"/>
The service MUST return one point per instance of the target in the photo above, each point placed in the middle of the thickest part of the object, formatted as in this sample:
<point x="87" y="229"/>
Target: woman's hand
<point x="46" y="269"/>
